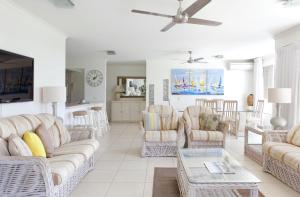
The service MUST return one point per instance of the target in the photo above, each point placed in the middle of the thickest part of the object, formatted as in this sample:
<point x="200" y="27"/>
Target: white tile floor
<point x="121" y="172"/>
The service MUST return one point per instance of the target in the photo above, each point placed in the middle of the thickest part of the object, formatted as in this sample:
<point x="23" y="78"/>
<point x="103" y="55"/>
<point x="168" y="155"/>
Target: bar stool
<point x="102" y="118"/>
<point x="98" y="121"/>
<point x="80" y="119"/>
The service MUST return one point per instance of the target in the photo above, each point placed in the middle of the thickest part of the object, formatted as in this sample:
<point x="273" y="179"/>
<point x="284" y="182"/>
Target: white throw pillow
<point x="17" y="147"/>
<point x="3" y="148"/>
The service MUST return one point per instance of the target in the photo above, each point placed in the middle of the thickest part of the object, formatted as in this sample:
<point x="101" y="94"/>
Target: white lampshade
<point x="54" y="94"/>
<point x="279" y="95"/>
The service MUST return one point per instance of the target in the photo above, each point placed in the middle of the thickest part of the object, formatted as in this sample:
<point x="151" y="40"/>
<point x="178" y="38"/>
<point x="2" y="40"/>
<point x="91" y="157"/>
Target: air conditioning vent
<point x="63" y="3"/>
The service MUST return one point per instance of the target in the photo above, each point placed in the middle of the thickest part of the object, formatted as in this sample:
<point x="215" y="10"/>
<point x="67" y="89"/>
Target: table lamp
<point x="54" y="95"/>
<point x="279" y="96"/>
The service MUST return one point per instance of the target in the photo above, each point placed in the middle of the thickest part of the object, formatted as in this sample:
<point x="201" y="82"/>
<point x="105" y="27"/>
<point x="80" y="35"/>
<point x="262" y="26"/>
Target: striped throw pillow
<point x="151" y="121"/>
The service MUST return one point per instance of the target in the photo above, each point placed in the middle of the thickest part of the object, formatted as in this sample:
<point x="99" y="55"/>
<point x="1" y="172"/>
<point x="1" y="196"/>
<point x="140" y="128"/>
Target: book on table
<point x="217" y="167"/>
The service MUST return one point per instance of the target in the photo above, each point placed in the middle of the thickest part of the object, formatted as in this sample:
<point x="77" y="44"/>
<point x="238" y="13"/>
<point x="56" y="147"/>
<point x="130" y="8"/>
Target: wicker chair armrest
<point x="82" y="133"/>
<point x="187" y="126"/>
<point x="22" y="176"/>
<point x="275" y="136"/>
<point x="141" y="126"/>
<point x="181" y="134"/>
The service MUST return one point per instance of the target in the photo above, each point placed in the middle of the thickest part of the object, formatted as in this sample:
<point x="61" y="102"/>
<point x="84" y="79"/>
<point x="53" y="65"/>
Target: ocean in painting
<point x="197" y="82"/>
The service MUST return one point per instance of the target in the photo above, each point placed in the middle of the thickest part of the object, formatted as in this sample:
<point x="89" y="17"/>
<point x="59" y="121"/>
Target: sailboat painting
<point x="215" y="82"/>
<point x="197" y="82"/>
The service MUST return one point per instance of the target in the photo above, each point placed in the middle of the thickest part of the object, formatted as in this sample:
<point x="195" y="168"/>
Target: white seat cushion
<point x="200" y="135"/>
<point x="64" y="166"/>
<point x="86" y="150"/>
<point x="293" y="160"/>
<point x="279" y="150"/>
<point x="169" y="136"/>
<point x="90" y="142"/>
<point x="267" y="146"/>
<point x="3" y="148"/>
<point x="152" y="136"/>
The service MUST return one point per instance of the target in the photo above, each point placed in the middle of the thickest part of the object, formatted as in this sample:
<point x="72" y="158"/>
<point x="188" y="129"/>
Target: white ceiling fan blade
<point x="290" y="2"/>
<point x="199" y="59"/>
<point x="169" y="26"/>
<point x="197" y="21"/>
<point x="151" y="13"/>
<point x="63" y="3"/>
<point x="176" y="59"/>
<point x="195" y="7"/>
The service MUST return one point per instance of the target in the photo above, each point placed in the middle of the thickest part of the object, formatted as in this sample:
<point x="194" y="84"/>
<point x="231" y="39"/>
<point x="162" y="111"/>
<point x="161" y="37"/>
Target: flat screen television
<point x="16" y="78"/>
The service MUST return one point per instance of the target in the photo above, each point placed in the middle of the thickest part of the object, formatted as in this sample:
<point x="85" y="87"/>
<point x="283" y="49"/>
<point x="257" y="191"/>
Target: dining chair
<point x="258" y="112"/>
<point x="231" y="115"/>
<point x="211" y="104"/>
<point x="167" y="103"/>
<point x="200" y="101"/>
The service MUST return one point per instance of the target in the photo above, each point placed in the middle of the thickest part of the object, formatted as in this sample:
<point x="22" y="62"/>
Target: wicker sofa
<point x="37" y="176"/>
<point x="197" y="138"/>
<point x="168" y="139"/>
<point x="281" y="156"/>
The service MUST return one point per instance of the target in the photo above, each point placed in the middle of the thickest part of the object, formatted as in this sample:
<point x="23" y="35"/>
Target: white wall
<point x="27" y="35"/>
<point x="90" y="62"/>
<point x="115" y="70"/>
<point x="238" y="84"/>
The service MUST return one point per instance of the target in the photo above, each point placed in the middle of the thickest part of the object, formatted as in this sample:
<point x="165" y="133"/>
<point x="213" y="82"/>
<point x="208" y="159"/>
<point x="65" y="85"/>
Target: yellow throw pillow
<point x="35" y="144"/>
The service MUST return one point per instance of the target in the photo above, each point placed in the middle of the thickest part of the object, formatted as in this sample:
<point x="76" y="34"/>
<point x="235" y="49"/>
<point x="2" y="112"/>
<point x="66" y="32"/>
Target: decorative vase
<point x="250" y="100"/>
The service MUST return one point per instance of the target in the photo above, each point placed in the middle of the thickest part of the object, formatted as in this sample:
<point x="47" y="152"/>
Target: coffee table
<point x="195" y="180"/>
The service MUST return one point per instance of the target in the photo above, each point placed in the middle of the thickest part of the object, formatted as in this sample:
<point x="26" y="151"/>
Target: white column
<point x="258" y="79"/>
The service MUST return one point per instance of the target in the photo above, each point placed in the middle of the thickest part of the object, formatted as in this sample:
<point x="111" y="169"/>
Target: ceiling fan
<point x="290" y="2"/>
<point x="191" y="60"/>
<point x="63" y="3"/>
<point x="184" y="16"/>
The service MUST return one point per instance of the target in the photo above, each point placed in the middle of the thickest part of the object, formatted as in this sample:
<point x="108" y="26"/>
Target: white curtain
<point x="287" y="75"/>
<point x="258" y="79"/>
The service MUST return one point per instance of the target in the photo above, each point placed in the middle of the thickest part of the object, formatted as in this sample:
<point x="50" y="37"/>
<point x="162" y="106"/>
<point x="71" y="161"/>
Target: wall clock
<point x="94" y="78"/>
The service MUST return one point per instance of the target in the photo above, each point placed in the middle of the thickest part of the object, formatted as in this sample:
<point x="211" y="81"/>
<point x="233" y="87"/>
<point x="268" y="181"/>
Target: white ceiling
<point x="97" y="25"/>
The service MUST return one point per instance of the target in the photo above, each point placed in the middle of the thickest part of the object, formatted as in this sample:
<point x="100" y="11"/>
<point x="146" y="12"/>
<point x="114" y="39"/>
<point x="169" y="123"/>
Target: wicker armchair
<point x="281" y="158"/>
<point x="168" y="139"/>
<point x="50" y="177"/>
<point x="197" y="138"/>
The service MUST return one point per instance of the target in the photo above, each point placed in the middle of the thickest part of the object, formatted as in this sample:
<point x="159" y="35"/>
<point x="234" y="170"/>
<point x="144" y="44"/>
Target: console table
<point x="127" y="111"/>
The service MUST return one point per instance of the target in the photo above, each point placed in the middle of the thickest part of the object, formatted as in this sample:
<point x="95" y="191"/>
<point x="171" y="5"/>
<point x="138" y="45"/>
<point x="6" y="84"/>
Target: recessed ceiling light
<point x="111" y="52"/>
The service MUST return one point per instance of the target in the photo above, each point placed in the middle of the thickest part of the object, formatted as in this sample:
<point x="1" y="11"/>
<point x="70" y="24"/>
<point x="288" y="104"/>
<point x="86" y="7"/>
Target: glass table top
<point x="193" y="164"/>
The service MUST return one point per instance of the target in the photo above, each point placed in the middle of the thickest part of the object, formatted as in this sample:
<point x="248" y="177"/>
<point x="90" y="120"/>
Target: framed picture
<point x="197" y="81"/>
<point x="151" y="94"/>
<point x="132" y="86"/>
<point x="135" y="87"/>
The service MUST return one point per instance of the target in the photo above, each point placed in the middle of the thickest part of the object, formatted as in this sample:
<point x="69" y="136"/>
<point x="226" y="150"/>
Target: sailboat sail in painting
<point x="197" y="82"/>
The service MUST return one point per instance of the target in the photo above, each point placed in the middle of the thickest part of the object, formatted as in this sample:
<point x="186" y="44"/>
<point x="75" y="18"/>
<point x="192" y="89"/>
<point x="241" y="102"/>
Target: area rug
<point x="165" y="184"/>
